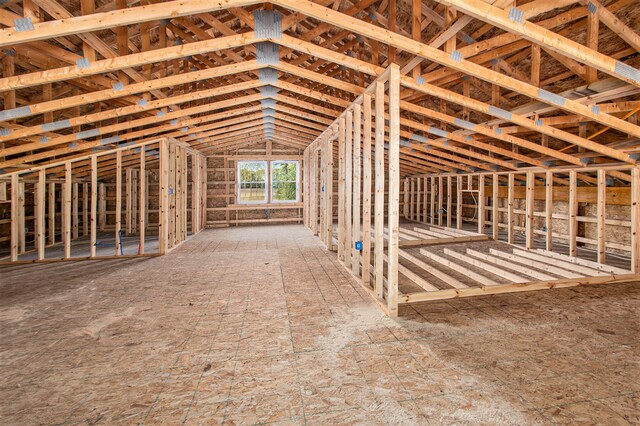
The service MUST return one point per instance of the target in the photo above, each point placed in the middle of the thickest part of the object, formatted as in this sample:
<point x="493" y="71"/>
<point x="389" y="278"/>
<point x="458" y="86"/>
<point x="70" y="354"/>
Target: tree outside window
<point x="255" y="176"/>
<point x="284" y="181"/>
<point x="252" y="177"/>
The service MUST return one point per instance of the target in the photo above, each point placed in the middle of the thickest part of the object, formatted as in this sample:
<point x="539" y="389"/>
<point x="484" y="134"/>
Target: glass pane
<point x="284" y="191"/>
<point x="252" y="177"/>
<point x="253" y="192"/>
<point x="252" y="171"/>
<point x="284" y="171"/>
<point x="284" y="181"/>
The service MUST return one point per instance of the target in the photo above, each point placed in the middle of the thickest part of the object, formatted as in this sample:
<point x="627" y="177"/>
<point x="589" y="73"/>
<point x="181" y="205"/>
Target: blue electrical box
<point x="359" y="245"/>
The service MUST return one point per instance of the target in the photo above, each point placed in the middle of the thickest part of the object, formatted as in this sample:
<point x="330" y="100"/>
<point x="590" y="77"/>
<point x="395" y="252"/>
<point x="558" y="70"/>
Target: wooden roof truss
<point x="486" y="85"/>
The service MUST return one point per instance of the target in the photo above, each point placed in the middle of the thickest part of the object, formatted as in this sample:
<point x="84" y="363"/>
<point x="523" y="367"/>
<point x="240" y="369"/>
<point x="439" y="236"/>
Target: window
<point x="284" y="181"/>
<point x="262" y="182"/>
<point x="252" y="177"/>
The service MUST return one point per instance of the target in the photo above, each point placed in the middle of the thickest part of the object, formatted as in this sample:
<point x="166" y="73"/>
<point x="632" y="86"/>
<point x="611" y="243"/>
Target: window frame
<point x="297" y="182"/>
<point x="267" y="180"/>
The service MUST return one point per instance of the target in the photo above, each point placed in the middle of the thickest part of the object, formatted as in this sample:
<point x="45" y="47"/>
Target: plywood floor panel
<point x="263" y="325"/>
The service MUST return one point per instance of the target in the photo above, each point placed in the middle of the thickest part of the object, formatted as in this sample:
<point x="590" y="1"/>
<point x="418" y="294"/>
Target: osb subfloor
<point x="261" y="325"/>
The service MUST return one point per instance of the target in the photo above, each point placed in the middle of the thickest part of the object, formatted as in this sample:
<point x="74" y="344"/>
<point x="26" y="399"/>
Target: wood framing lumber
<point x="114" y="18"/>
<point x="616" y="25"/>
<point x="512" y="20"/>
<point x="357" y="188"/>
<point x="118" y="218"/>
<point x="448" y="279"/>
<point x="127" y="61"/>
<point x="66" y="210"/>
<point x="515" y="287"/>
<point x="131" y="89"/>
<point x="486" y="266"/>
<point x="635" y="219"/>
<point x="366" y="191"/>
<point x="548" y="222"/>
<point x="349" y="189"/>
<point x="379" y="191"/>
<point x="415" y="278"/>
<point x="94" y="206"/>
<point x="342" y="226"/>
<point x="15" y="193"/>
<point x="601" y="215"/>
<point x="414" y="47"/>
<point x="505" y="264"/>
<point x="40" y="214"/>
<point x="573" y="214"/>
<point x="479" y="278"/>
<point x="529" y="207"/>
<point x="393" y="214"/>
<point x="134" y="109"/>
<point x="522" y="121"/>
<point x="61" y="259"/>
<point x="143" y="199"/>
<point x="585" y="262"/>
<point x="535" y="264"/>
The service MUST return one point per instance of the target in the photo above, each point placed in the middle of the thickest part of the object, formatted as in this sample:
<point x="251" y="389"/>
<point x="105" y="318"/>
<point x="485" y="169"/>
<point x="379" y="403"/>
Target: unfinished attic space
<point x="320" y="212"/>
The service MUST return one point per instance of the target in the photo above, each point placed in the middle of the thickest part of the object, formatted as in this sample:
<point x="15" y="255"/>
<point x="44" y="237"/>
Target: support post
<point x="183" y="208"/>
<point x="449" y="203"/>
<point x="405" y="198"/>
<point x="425" y="200"/>
<point x="349" y="185"/>
<point x="366" y="191"/>
<point x="328" y="191"/>
<point x="378" y="246"/>
<point x="323" y="200"/>
<point x="415" y="211"/>
<point x="128" y="210"/>
<point x="548" y="209"/>
<point x="510" y="208"/>
<point x="40" y="212"/>
<point x="134" y="201"/>
<point x="172" y="194"/>
<point x="22" y="244"/>
<point x="203" y="194"/>
<point x="15" y="191"/>
<point x="163" y="185"/>
<point x="314" y="190"/>
<point x="432" y="204"/>
<point x="102" y="206"/>
<point x="529" y="200"/>
<point x="394" y="189"/>
<point x="85" y="209"/>
<point x="635" y="219"/>
<point x="481" y="204"/>
<point x="195" y="191"/>
<point x="94" y="205"/>
<point x="66" y="211"/>
<point x="118" y="221"/>
<point x="573" y="214"/>
<point x="143" y="199"/>
<point x="74" y="210"/>
<point x="440" y="200"/>
<point x="601" y="215"/>
<point x="418" y="198"/>
<point x="357" y="167"/>
<point x="341" y="189"/>
<point x="52" y="213"/>
<point x="495" y="228"/>
<point x="459" y="199"/>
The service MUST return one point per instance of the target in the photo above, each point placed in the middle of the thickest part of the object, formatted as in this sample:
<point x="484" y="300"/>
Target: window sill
<point x="283" y="205"/>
